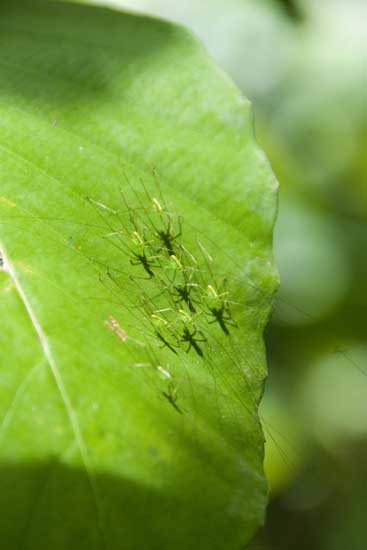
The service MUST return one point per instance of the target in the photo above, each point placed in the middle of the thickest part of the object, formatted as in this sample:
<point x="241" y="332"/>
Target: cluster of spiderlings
<point x="180" y="296"/>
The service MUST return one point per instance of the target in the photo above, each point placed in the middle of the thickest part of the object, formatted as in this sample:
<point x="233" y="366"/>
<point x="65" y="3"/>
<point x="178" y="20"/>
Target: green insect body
<point x="218" y="308"/>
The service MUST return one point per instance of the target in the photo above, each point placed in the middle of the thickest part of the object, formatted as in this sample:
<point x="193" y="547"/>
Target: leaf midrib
<point x="46" y="349"/>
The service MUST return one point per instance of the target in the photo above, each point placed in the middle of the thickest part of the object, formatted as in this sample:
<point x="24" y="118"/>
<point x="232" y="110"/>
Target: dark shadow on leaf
<point x="56" y="55"/>
<point x="51" y="506"/>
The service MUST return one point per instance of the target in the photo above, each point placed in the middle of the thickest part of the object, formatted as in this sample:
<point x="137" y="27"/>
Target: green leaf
<point x="128" y="416"/>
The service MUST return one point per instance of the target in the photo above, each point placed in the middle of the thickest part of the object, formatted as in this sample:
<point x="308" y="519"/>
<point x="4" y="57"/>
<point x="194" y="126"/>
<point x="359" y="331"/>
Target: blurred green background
<point x="303" y="64"/>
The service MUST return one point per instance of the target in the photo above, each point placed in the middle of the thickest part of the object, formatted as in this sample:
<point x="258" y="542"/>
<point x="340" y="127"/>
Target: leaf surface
<point x="130" y="379"/>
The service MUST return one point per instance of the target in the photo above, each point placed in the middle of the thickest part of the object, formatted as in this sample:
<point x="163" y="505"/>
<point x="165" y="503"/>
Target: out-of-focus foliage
<point x="303" y="64"/>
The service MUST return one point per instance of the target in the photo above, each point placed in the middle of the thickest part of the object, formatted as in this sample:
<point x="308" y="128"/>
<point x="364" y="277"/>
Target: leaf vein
<point x="72" y="416"/>
<point x="19" y="391"/>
